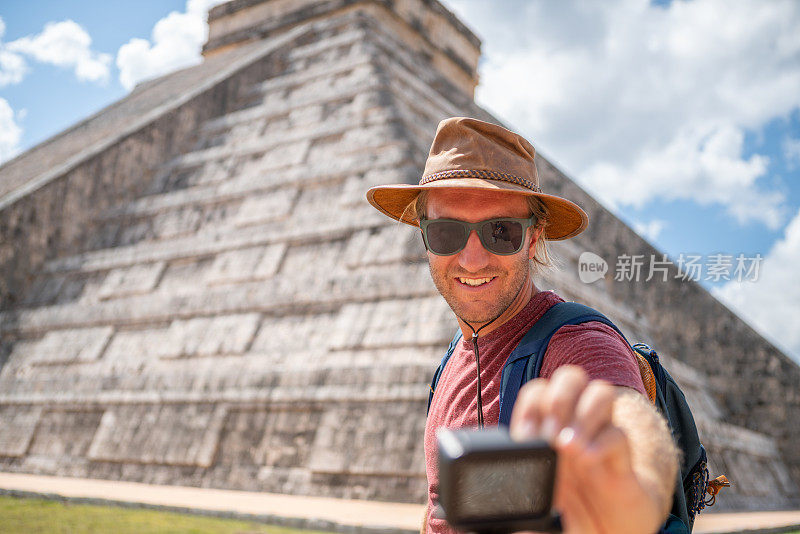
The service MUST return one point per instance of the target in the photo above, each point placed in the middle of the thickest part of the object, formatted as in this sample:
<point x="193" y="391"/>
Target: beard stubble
<point x="513" y="280"/>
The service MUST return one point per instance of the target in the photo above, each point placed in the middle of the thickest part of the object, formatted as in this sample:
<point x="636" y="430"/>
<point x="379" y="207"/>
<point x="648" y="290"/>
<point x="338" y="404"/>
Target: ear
<point x="536" y="234"/>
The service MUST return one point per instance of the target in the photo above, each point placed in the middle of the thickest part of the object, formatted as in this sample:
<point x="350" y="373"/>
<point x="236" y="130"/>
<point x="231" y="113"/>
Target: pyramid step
<point x="144" y="375"/>
<point x="264" y="147"/>
<point x="361" y="77"/>
<point x="252" y="263"/>
<point x="124" y="436"/>
<point x="298" y="295"/>
<point x="378" y="393"/>
<point x="18" y="424"/>
<point x="336" y="39"/>
<point x="243" y="232"/>
<point x="256" y="178"/>
<point x="357" y="67"/>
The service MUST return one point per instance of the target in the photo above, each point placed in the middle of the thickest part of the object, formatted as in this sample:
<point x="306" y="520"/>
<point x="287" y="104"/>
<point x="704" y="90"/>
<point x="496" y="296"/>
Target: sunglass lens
<point x="446" y="237"/>
<point x="502" y="237"/>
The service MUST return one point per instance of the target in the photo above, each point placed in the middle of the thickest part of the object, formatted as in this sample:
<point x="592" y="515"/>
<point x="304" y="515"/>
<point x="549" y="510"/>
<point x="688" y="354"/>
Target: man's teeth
<point x="475" y="281"/>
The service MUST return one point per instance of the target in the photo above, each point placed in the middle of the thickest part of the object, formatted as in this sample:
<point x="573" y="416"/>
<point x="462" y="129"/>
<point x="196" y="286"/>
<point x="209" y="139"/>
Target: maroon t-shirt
<point x="596" y="347"/>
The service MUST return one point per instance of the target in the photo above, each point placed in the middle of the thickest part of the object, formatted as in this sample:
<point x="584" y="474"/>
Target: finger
<point x="526" y="417"/>
<point x="566" y="386"/>
<point x="594" y="409"/>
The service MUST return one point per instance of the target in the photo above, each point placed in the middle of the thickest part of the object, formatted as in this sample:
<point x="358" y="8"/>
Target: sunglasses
<point x="503" y="236"/>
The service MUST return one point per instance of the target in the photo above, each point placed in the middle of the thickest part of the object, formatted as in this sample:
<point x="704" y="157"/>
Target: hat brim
<point x="567" y="219"/>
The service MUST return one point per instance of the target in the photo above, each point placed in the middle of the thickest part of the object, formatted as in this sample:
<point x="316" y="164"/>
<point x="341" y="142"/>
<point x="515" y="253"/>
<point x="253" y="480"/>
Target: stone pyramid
<point x="194" y="291"/>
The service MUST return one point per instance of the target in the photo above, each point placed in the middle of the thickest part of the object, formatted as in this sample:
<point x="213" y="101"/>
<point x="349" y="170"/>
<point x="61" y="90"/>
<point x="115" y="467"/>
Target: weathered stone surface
<point x="66" y="346"/>
<point x="193" y="289"/>
<point x="65" y="434"/>
<point x="256" y="263"/>
<point x="18" y="424"/>
<point x="209" y="336"/>
<point x="135" y="434"/>
<point x="133" y="280"/>
<point x="276" y="205"/>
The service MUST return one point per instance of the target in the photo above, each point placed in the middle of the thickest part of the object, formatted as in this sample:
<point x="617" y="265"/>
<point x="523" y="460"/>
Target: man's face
<point x="478" y="285"/>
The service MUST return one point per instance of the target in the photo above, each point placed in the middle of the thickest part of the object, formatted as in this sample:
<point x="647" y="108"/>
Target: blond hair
<point x="541" y="257"/>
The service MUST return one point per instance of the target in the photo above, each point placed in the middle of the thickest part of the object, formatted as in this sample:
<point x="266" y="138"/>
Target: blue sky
<point x="722" y="232"/>
<point x="682" y="117"/>
<point x="52" y="96"/>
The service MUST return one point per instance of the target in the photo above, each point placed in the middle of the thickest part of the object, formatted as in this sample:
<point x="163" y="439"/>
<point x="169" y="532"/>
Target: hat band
<point x="488" y="175"/>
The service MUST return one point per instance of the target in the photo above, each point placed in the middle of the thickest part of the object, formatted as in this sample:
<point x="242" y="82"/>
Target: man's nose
<point x="473" y="257"/>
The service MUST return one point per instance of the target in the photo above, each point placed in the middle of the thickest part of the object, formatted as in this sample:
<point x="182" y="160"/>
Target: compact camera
<point x="489" y="483"/>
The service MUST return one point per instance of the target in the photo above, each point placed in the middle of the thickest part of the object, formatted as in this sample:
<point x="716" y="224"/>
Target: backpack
<point x="525" y="362"/>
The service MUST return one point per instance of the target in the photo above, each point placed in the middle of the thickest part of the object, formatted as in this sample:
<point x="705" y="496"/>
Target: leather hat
<point x="472" y="154"/>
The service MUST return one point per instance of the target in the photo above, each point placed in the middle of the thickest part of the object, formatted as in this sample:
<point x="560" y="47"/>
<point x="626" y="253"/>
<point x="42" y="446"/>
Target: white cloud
<point x="64" y="44"/>
<point x="642" y="102"/>
<point x="772" y="303"/>
<point x="791" y="151"/>
<point x="12" y="66"/>
<point x="650" y="230"/>
<point x="705" y="167"/>
<point x="10" y="132"/>
<point x="177" y="40"/>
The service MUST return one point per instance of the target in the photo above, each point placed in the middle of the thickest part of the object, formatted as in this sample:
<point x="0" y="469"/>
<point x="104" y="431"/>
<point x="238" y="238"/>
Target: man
<point x="485" y="224"/>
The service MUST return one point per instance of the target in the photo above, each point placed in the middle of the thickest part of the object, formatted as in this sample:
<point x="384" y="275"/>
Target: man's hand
<point x="617" y="461"/>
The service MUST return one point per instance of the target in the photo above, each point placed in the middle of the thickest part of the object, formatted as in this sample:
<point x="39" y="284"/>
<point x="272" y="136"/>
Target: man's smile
<point x="475" y="282"/>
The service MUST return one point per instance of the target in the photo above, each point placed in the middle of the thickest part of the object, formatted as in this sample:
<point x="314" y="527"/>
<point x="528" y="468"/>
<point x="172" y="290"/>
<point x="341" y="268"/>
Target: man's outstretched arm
<point x="617" y="460"/>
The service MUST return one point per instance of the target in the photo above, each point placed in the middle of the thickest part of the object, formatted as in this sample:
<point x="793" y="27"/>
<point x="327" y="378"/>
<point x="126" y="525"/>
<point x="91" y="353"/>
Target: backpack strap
<point x="525" y="362"/>
<point x="450" y="350"/>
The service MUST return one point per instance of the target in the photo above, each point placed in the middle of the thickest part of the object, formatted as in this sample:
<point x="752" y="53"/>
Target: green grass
<point x="23" y="515"/>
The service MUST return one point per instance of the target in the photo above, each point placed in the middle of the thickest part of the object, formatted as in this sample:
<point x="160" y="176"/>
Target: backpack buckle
<point x="714" y="487"/>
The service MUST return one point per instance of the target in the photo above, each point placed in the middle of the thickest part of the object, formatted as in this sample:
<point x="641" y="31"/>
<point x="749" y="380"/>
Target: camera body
<point x="491" y="483"/>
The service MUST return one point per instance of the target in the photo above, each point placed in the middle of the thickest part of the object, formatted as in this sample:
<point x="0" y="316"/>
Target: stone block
<point x="293" y="334"/>
<point x="184" y="221"/>
<point x="210" y="336"/>
<point x="263" y="208"/>
<point x="129" y="348"/>
<point x="229" y="334"/>
<point x="134" y="280"/>
<point x="392" y="244"/>
<point x="216" y="167"/>
<point x="71" y="346"/>
<point x="394" y="323"/>
<point x="181" y="276"/>
<point x="355" y="186"/>
<point x="234" y="265"/>
<point x="317" y="260"/>
<point x="353" y="440"/>
<point x="18" y="424"/>
<point x="284" y="156"/>
<point x="270" y="261"/>
<point x="134" y="232"/>
<point x="45" y="291"/>
<point x="65" y="433"/>
<point x="159" y="434"/>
